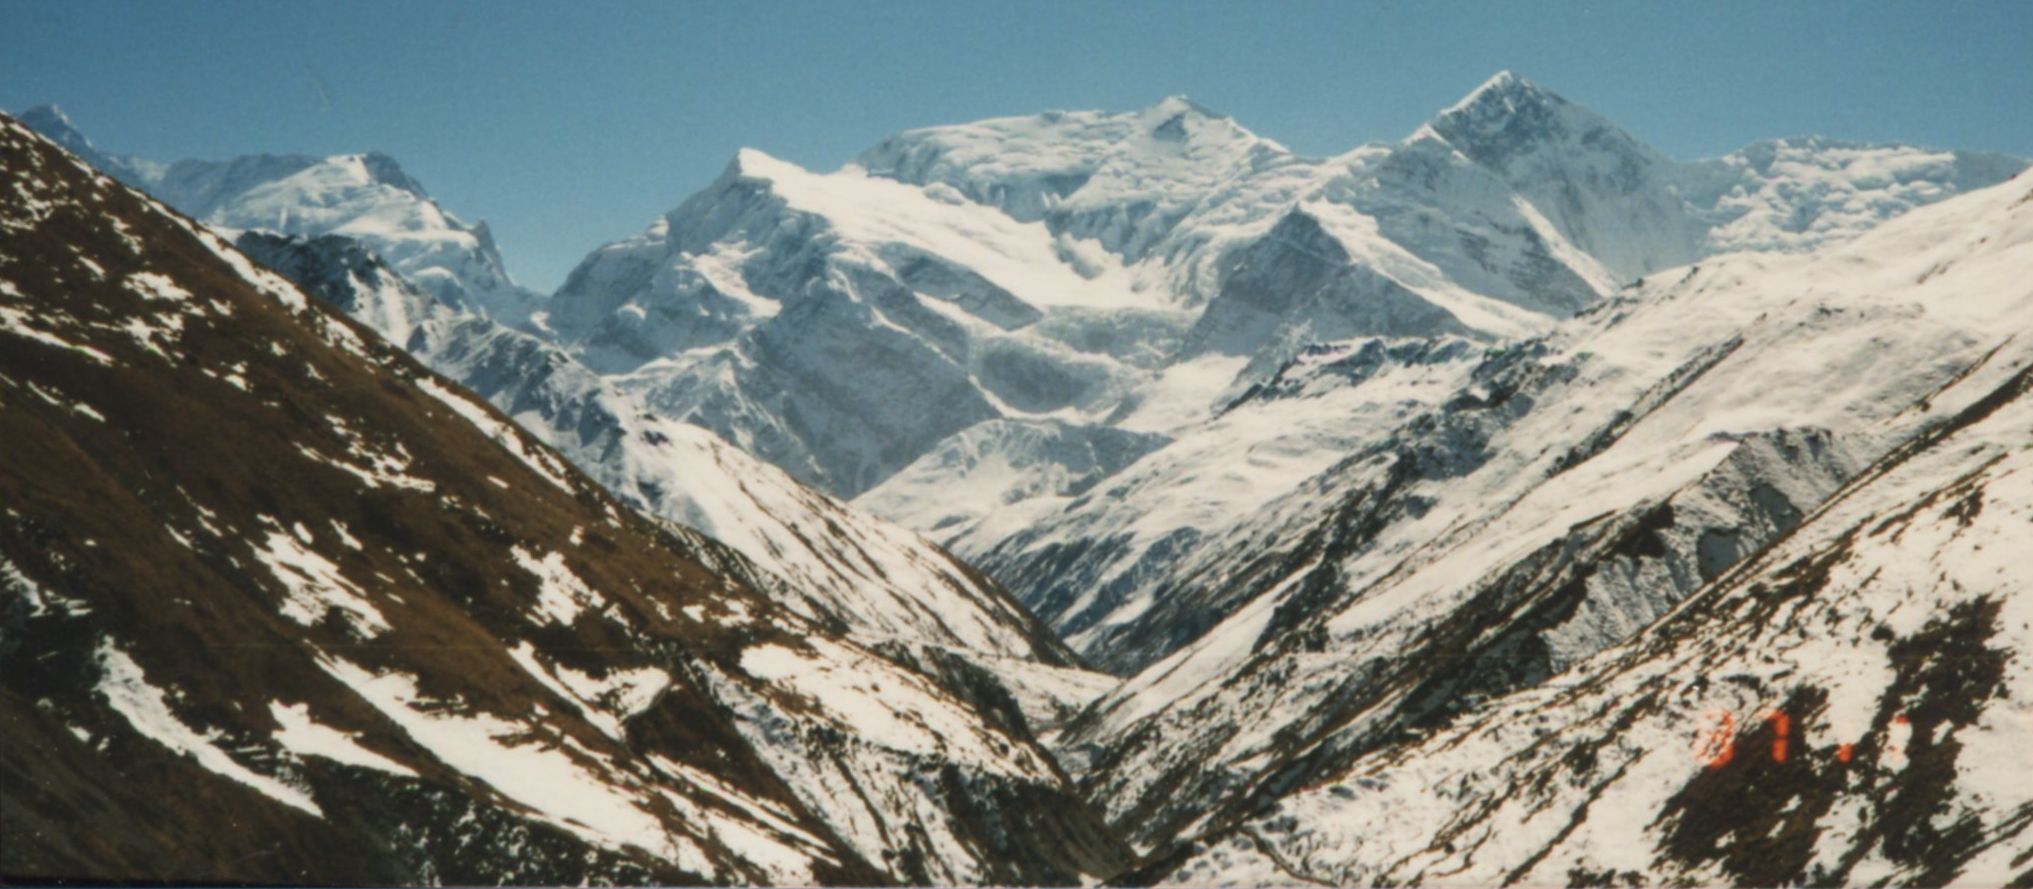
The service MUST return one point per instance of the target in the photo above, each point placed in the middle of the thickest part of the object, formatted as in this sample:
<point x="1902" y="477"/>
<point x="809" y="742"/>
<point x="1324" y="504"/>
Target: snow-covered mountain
<point x="260" y="569"/>
<point x="1510" y="209"/>
<point x="1097" y="273"/>
<point x="1578" y="488"/>
<point x="839" y="326"/>
<point x="1848" y="704"/>
<point x="1601" y="191"/>
<point x="1795" y="194"/>
<point x="53" y="124"/>
<point x="1120" y="182"/>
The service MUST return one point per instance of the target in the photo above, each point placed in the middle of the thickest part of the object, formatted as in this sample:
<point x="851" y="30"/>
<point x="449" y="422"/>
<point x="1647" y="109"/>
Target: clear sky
<point x="567" y="125"/>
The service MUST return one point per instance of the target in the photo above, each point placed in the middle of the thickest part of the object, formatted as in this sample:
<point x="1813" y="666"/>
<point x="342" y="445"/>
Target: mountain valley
<point x="1071" y="498"/>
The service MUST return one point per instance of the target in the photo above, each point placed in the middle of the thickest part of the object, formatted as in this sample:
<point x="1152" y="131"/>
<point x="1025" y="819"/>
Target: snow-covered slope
<point x="259" y="569"/>
<point x="1849" y="706"/>
<point x="1003" y="463"/>
<point x="1572" y="492"/>
<point x="1125" y="567"/>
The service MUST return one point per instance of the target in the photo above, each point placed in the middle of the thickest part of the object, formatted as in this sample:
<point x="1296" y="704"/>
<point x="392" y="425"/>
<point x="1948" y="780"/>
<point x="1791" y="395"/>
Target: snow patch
<point x="305" y="737"/>
<point x="316" y="586"/>
<point x="144" y="706"/>
<point x="561" y="595"/>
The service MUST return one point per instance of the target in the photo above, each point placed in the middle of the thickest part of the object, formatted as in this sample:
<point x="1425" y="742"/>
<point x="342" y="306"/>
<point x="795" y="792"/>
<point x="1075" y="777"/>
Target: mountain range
<point x="1069" y="497"/>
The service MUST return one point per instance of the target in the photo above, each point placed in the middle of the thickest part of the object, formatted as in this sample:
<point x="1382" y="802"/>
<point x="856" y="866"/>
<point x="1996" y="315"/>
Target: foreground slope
<point x="1571" y="493"/>
<point x="885" y="584"/>
<point x="1850" y="706"/>
<point x="263" y="571"/>
<point x="320" y="222"/>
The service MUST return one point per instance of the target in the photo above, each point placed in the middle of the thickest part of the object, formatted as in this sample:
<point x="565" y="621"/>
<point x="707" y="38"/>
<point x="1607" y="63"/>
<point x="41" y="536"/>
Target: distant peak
<point x="1179" y="119"/>
<point x="1182" y="102"/>
<point x="1505" y="87"/>
<point x="1506" y="113"/>
<point x="50" y="113"/>
<point x="1508" y="116"/>
<point x="51" y="121"/>
<point x="1173" y="106"/>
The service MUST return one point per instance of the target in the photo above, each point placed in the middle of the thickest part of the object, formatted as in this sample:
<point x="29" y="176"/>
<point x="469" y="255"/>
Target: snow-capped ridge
<point x="367" y="196"/>
<point x="754" y="163"/>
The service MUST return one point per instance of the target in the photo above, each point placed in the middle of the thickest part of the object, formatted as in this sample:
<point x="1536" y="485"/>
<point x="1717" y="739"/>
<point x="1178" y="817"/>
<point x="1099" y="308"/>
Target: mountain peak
<point x="1174" y="118"/>
<point x="1508" y="114"/>
<point x="1177" y="104"/>
<point x="1504" y="90"/>
<point x="36" y="117"/>
<point x="56" y="126"/>
<point x="52" y="122"/>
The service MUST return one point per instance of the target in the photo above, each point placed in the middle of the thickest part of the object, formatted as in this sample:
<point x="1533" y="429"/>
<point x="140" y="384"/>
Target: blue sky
<point x="569" y="125"/>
